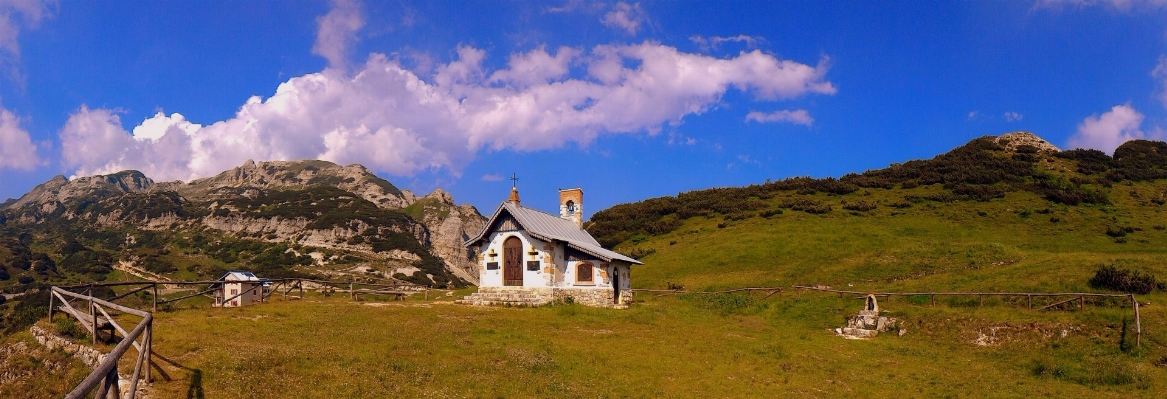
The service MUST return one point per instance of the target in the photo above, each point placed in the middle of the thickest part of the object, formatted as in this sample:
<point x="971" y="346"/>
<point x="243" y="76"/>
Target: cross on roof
<point x="514" y="180"/>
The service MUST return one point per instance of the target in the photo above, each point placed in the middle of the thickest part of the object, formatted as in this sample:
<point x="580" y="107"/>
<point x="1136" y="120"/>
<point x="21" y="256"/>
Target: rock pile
<point x="868" y="323"/>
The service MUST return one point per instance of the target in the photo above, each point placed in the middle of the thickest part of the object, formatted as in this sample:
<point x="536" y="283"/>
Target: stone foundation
<point x="539" y="296"/>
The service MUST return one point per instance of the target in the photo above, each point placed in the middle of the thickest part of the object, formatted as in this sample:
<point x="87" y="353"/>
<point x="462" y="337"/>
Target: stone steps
<point x="505" y="297"/>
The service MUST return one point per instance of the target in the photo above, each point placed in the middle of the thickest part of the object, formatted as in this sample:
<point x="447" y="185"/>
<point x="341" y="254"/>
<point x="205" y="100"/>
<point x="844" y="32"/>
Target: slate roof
<point x="551" y="228"/>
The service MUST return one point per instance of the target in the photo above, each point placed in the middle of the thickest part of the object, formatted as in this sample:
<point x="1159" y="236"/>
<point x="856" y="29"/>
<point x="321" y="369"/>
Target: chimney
<point x="571" y="205"/>
<point x="514" y="196"/>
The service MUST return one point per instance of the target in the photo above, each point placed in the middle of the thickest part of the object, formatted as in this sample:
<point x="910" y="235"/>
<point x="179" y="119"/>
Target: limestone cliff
<point x="313" y="204"/>
<point x="450" y="225"/>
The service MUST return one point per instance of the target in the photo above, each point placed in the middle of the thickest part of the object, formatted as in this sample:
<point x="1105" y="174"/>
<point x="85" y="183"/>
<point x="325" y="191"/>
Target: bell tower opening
<point x="571" y="205"/>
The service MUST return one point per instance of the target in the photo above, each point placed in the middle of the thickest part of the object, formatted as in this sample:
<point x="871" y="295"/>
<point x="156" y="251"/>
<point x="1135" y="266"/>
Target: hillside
<point x="998" y="214"/>
<point x="279" y="219"/>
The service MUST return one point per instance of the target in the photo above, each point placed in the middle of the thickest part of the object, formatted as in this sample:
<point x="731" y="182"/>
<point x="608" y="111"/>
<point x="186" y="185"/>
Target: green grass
<point x="740" y="345"/>
<point x="935" y="246"/>
<point x="662" y="347"/>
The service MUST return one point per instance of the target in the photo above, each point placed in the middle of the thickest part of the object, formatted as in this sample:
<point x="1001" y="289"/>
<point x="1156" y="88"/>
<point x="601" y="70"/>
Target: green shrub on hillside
<point x="1123" y="280"/>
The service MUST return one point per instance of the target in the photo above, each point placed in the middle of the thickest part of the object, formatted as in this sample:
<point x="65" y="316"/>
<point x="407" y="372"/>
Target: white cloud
<point x="389" y="119"/>
<point x="624" y="16"/>
<point x="1013" y="116"/>
<point x="576" y="5"/>
<point x="1121" y="5"/>
<point x="536" y="67"/>
<point x="798" y="117"/>
<point x="17" y="150"/>
<point x="713" y="42"/>
<point x="491" y="177"/>
<point x="337" y="31"/>
<point x="1108" y="131"/>
<point x="973" y="115"/>
<point x="1160" y="73"/>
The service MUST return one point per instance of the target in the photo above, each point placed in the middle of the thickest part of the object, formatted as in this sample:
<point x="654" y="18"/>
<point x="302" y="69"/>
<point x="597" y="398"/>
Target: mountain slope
<point x="277" y="218"/>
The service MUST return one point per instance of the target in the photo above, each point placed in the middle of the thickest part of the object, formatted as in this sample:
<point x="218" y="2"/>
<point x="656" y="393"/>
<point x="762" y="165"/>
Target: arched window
<point x="570" y="207"/>
<point x="584" y="273"/>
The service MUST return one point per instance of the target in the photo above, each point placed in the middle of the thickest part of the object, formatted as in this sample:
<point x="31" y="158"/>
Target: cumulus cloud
<point x="1108" y="131"/>
<point x="337" y="31"/>
<point x="798" y="117"/>
<point x="1121" y="5"/>
<point x="17" y="150"/>
<point x="16" y="15"/>
<point x="624" y="16"/>
<point x="535" y="67"/>
<point x="713" y="42"/>
<point x="1012" y="116"/>
<point x="390" y="119"/>
<point x="1160" y="73"/>
<point x="491" y="177"/>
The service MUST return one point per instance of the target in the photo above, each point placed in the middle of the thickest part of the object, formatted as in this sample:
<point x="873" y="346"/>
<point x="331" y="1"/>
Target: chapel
<point x="527" y="257"/>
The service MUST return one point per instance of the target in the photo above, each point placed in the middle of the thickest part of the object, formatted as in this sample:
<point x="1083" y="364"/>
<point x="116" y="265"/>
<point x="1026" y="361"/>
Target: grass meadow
<point x="671" y="346"/>
<point x="684" y="346"/>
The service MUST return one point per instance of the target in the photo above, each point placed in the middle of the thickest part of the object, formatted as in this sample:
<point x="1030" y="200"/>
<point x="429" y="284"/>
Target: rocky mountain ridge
<point x="344" y="210"/>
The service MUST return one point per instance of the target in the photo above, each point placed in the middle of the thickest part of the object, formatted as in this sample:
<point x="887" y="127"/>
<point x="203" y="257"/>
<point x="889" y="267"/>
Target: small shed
<point x="239" y="288"/>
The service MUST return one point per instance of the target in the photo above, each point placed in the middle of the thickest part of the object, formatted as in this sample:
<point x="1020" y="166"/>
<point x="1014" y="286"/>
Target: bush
<point x="66" y="327"/>
<point x="806" y="205"/>
<point x="637" y="253"/>
<point x="1124" y="280"/>
<point x="770" y="213"/>
<point x="861" y="206"/>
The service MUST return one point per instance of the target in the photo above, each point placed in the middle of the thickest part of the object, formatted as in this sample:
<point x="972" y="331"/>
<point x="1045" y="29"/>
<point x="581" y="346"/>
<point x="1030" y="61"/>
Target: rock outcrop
<point x="60" y="190"/>
<point x="450" y="225"/>
<point x="251" y="177"/>
<point x="1017" y="139"/>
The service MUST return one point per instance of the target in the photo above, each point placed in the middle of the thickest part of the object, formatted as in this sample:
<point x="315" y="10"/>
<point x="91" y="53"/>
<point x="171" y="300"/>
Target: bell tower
<point x="571" y="205"/>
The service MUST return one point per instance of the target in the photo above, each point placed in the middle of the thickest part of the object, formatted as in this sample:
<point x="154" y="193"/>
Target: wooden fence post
<point x="1081" y="302"/>
<point x="50" y="305"/>
<point x="1029" y="301"/>
<point x="933" y="299"/>
<point x="149" y="347"/>
<point x="982" y="298"/>
<point x="156" y="298"/>
<point x="1138" y="322"/>
<point x="93" y="317"/>
<point x="114" y="391"/>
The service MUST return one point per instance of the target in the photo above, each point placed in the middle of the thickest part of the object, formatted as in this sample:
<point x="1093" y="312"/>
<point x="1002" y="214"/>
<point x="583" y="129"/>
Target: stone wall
<point x="91" y="357"/>
<point x="594" y="297"/>
<point x="539" y="296"/>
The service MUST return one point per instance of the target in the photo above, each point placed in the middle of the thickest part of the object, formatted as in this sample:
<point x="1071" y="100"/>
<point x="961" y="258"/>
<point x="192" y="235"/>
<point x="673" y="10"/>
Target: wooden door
<point x="615" y="285"/>
<point x="512" y="255"/>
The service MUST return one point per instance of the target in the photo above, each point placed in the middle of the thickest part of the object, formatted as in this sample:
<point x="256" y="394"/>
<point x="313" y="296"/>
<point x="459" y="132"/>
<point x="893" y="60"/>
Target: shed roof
<point x="548" y="227"/>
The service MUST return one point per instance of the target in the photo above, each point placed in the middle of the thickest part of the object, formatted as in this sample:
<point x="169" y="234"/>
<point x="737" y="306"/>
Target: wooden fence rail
<point x="1074" y="296"/>
<point x="105" y="377"/>
<point x="96" y="318"/>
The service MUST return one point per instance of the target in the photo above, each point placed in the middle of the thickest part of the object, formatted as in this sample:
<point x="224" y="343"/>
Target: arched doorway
<point x="512" y="255"/>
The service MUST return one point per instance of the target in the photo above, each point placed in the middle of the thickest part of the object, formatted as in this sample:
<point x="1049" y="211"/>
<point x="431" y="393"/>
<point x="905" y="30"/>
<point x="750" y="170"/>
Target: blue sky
<point x="628" y="100"/>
